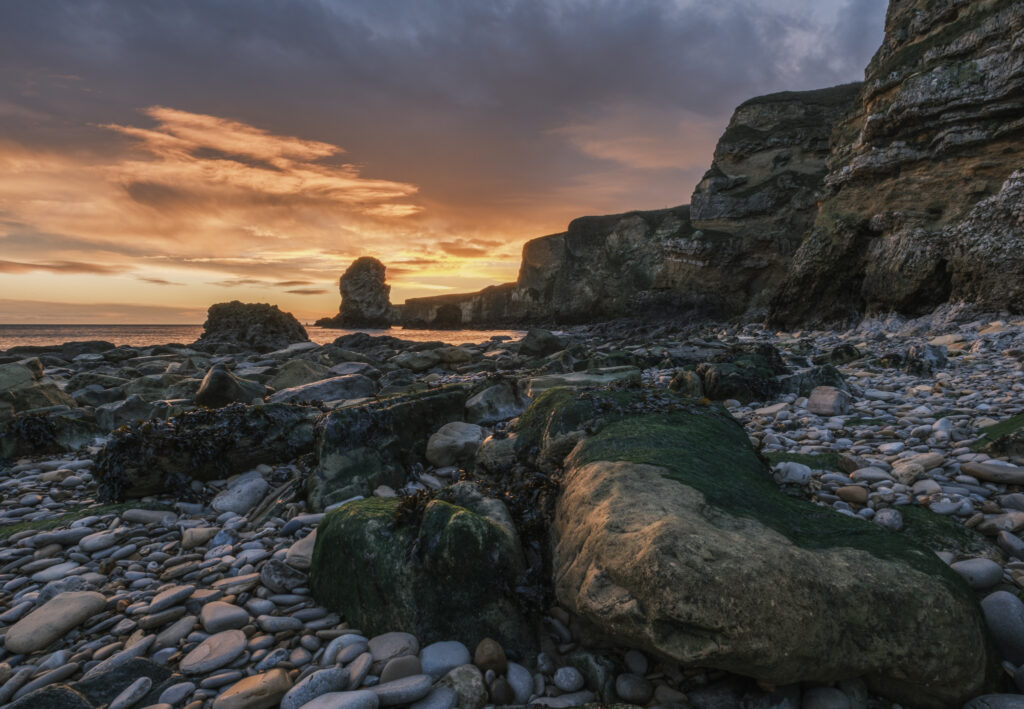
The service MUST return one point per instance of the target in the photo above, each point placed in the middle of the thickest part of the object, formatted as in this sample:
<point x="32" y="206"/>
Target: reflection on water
<point x="146" y="335"/>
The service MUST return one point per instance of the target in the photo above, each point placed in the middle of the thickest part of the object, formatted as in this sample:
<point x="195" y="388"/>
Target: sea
<point x="147" y="335"/>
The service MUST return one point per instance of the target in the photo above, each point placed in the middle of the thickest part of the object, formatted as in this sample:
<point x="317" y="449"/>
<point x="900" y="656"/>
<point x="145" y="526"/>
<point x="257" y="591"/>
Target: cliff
<point x="921" y="206"/>
<point x="722" y="256"/>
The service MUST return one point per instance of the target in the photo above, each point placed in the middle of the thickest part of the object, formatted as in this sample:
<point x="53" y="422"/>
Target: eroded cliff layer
<point x="921" y="207"/>
<point x="723" y="256"/>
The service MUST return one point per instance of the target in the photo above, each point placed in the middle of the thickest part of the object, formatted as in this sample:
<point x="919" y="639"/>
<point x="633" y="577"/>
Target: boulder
<point x="540" y="343"/>
<point x="365" y="297"/>
<point x="253" y="326"/>
<point x="39" y="434"/>
<point x="495" y="403"/>
<point x="296" y="372"/>
<point x="221" y="387"/>
<point x="118" y="413"/>
<point x="349" y="386"/>
<point x="23" y="387"/>
<point x="670" y="537"/>
<point x="364" y="446"/>
<point x="391" y="565"/>
<point x="455" y="443"/>
<point x="163" y="456"/>
<point x="745" y="376"/>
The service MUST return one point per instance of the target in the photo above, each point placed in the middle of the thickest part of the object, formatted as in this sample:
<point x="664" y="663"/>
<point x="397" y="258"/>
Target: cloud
<point x="288" y="284"/>
<point x="158" y="281"/>
<point x="308" y="291"/>
<point x="56" y="267"/>
<point x="277" y="142"/>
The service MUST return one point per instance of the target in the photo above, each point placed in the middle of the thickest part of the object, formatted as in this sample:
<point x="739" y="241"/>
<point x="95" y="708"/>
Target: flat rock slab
<point x="215" y="652"/>
<point x="532" y="388"/>
<point x="49" y="623"/>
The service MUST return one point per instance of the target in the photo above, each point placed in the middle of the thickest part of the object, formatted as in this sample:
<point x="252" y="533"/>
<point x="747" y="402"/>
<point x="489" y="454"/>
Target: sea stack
<point x="365" y="297"/>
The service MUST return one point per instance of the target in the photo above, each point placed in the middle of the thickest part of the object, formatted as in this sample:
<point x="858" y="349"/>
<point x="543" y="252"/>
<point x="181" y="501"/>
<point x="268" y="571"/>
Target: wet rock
<point x="364" y="547"/>
<point x="619" y="474"/>
<point x="362" y="447"/>
<point x="255" y="326"/>
<point x="202" y="445"/>
<point x="221" y="387"/>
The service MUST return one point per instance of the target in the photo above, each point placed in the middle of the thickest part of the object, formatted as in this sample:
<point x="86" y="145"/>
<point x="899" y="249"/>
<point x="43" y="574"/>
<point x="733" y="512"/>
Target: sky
<point x="157" y="157"/>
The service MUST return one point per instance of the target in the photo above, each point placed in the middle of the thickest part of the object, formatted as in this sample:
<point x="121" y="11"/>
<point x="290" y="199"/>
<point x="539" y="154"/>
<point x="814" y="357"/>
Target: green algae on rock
<point x="668" y="524"/>
<point x="445" y="573"/>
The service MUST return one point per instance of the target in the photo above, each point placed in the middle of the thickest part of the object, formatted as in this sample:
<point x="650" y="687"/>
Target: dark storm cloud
<point x="261" y="143"/>
<point x="427" y="86"/>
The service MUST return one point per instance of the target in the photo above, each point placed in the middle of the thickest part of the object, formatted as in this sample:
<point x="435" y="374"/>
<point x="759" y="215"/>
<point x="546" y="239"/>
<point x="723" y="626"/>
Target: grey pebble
<point x="568" y="679"/>
<point x="333" y="679"/>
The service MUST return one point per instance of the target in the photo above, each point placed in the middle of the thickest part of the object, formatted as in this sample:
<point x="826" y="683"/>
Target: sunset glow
<point x="142" y="183"/>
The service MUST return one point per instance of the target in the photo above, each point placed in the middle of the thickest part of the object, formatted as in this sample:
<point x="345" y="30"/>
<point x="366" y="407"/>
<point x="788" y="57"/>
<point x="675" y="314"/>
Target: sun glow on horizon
<point x="200" y="209"/>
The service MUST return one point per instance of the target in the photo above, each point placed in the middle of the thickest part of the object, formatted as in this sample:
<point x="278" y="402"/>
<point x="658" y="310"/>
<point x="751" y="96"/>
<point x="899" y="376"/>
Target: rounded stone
<point x="359" y="699"/>
<point x="568" y="679"/>
<point x="49" y="623"/>
<point x="1004" y="615"/>
<point x="980" y="573"/>
<point x="399" y="667"/>
<point x="333" y="679"/>
<point x="215" y="652"/>
<point x="633" y="688"/>
<point x="521" y="680"/>
<point x="403" y="691"/>
<point x="438" y="698"/>
<point x="218" y="615"/>
<point x="437" y="659"/>
<point x="261" y="691"/>
<point x="489" y="655"/>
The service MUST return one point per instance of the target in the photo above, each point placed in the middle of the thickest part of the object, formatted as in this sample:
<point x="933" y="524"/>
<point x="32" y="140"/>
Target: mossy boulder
<point x="361" y="447"/>
<point x="746" y="377"/>
<point x="670" y="536"/>
<point x="434" y="569"/>
<point x="165" y="456"/>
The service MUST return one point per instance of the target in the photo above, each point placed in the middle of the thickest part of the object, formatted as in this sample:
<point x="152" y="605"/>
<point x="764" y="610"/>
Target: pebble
<point x="403" y="691"/>
<point x="979" y="573"/>
<point x="131" y="694"/>
<point x="568" y="679"/>
<point x="214" y="652"/>
<point x="437" y="659"/>
<point x="218" y="615"/>
<point x="633" y="688"/>
<point x="333" y="679"/>
<point x="49" y="623"/>
<point x="359" y="699"/>
<point x="261" y="691"/>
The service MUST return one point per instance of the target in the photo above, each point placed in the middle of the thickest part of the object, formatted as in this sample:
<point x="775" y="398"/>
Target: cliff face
<point x="921" y="205"/>
<point x="721" y="257"/>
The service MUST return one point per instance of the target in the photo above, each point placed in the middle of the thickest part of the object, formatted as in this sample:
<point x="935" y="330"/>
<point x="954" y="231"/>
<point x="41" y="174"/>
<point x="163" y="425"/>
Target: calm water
<point x="145" y="335"/>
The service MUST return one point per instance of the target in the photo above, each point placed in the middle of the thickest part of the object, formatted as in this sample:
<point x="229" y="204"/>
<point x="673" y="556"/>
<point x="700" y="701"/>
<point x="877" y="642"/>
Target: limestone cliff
<point x="723" y="256"/>
<point x="921" y="207"/>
